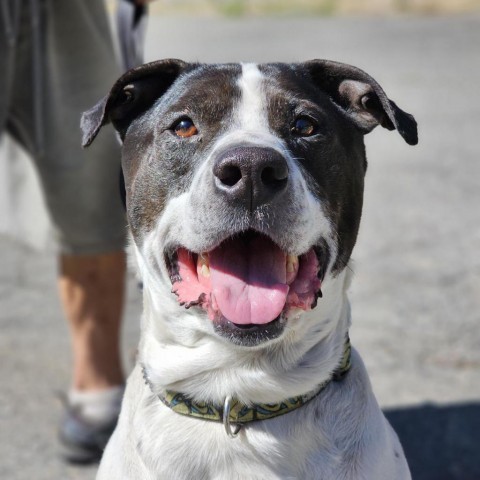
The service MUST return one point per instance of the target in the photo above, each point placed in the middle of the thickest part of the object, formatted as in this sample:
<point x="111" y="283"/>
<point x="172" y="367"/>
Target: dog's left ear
<point x="361" y="98"/>
<point x="133" y="93"/>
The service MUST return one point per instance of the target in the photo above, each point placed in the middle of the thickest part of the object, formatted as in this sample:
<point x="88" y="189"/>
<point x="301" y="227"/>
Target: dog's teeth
<point x="292" y="263"/>
<point x="203" y="259"/>
<point x="203" y="265"/>
<point x="205" y="271"/>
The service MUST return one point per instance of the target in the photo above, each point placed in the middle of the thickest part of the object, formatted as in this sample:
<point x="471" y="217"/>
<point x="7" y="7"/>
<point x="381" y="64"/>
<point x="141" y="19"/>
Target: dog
<point x="244" y="186"/>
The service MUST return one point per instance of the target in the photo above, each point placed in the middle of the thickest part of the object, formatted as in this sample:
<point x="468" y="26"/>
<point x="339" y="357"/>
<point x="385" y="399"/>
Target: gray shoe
<point x="82" y="441"/>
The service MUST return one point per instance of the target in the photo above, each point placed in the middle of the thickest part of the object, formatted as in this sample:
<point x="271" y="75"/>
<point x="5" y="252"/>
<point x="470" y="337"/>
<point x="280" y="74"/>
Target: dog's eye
<point x="304" y="127"/>
<point x="185" y="128"/>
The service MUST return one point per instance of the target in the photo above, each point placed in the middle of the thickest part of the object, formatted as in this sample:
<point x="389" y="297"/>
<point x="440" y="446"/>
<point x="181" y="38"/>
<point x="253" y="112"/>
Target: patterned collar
<point x="238" y="413"/>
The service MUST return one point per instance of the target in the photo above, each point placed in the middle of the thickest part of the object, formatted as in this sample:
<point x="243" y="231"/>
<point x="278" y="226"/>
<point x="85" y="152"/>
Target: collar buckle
<point x="227" y="406"/>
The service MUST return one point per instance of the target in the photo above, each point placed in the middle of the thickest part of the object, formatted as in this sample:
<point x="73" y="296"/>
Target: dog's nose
<point x="251" y="175"/>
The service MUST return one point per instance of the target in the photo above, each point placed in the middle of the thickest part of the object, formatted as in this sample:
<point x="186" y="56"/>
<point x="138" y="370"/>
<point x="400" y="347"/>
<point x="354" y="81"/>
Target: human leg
<point x="91" y="290"/>
<point x="81" y="192"/>
<point x="84" y="200"/>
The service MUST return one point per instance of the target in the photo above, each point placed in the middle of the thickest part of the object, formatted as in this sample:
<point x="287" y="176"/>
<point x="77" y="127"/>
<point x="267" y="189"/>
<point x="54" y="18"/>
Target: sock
<point x="98" y="406"/>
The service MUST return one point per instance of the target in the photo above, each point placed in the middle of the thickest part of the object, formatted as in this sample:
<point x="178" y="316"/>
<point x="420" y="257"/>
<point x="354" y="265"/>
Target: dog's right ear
<point x="133" y="93"/>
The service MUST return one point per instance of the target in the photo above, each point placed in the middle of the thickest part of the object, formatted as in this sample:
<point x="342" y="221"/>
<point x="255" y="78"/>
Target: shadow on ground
<point x="440" y="442"/>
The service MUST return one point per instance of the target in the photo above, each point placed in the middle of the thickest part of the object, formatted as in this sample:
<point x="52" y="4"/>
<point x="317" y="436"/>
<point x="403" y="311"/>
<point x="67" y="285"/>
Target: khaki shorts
<point x="57" y="60"/>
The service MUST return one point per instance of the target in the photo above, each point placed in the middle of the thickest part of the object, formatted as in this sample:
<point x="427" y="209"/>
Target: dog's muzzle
<point x="246" y="282"/>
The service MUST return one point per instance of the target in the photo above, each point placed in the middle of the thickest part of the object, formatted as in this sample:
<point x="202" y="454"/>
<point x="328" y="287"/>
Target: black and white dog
<point x="244" y="195"/>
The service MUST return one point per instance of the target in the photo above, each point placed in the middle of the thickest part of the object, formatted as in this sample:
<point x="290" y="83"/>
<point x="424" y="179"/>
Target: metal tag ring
<point x="226" y="419"/>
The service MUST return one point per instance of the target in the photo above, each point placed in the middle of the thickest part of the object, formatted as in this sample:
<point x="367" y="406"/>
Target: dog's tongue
<point x="248" y="280"/>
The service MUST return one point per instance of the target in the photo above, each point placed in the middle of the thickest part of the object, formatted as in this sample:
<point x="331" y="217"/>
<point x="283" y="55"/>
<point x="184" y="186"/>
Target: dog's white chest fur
<point x="340" y="435"/>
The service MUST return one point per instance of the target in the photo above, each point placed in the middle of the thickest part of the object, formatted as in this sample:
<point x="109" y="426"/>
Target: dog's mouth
<point x="247" y="284"/>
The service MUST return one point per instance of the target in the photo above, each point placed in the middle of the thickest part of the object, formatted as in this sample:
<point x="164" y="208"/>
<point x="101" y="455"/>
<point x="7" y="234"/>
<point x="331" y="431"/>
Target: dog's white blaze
<point x="252" y="112"/>
<point x="250" y="117"/>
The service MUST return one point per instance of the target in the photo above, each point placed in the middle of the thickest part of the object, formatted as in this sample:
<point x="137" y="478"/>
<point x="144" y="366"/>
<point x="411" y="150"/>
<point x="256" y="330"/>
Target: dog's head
<point x="244" y="184"/>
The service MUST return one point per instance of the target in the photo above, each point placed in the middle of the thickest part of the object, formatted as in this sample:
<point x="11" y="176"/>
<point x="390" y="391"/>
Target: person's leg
<point x="81" y="189"/>
<point x="82" y="196"/>
<point x="84" y="200"/>
<point x="71" y="57"/>
<point x="91" y="289"/>
<point x="64" y="63"/>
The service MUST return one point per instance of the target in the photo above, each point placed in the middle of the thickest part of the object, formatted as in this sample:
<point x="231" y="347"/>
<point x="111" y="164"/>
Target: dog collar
<point x="235" y="412"/>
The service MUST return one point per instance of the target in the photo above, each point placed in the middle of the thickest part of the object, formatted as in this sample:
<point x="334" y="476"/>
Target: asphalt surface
<point x="416" y="292"/>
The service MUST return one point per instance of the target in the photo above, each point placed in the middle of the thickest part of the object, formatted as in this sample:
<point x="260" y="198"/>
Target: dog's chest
<point x="338" y="435"/>
<point x="295" y="445"/>
<point x="200" y="449"/>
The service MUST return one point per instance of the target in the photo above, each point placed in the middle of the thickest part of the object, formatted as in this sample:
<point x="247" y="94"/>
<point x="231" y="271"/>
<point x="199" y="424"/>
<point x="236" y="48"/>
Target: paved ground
<point x="416" y="292"/>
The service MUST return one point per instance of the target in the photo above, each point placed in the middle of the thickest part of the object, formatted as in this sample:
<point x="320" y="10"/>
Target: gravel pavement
<point x="416" y="292"/>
